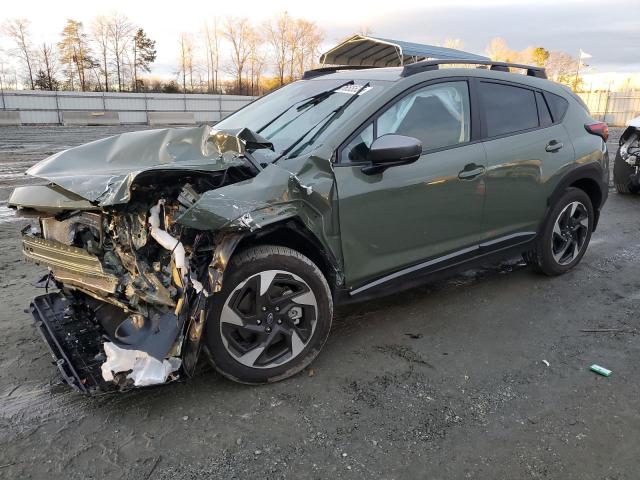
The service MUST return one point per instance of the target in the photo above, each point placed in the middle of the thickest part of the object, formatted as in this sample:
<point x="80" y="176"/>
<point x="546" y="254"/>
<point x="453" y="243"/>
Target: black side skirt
<point x="486" y="254"/>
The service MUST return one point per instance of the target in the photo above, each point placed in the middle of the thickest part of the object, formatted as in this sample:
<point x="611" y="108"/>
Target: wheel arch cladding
<point x="587" y="178"/>
<point x="591" y="188"/>
<point x="293" y="234"/>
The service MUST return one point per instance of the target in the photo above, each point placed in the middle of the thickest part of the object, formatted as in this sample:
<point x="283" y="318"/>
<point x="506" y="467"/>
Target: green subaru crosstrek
<point x="350" y="183"/>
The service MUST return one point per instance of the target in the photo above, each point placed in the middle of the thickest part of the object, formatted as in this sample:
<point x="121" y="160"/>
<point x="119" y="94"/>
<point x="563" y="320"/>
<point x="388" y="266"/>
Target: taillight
<point x="600" y="129"/>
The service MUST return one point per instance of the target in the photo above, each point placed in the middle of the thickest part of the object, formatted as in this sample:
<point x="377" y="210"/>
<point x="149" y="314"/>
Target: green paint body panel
<point x="409" y="213"/>
<point x="371" y="225"/>
<point x="520" y="177"/>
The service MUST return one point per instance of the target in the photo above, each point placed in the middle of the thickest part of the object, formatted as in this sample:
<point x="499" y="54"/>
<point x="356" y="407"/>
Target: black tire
<point x="622" y="172"/>
<point x="247" y="266"/>
<point x="542" y="257"/>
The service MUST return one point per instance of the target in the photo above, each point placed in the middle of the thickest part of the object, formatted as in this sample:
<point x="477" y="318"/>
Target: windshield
<point x="285" y="115"/>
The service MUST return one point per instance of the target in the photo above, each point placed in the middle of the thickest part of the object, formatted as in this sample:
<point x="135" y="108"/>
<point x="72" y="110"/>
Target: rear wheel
<point x="566" y="234"/>
<point x="271" y="318"/>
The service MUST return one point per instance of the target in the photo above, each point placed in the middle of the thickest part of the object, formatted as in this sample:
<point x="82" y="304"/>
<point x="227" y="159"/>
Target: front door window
<point x="437" y="115"/>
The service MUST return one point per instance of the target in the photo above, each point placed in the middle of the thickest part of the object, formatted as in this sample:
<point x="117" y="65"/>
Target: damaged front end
<point x="629" y="152"/>
<point x="137" y="230"/>
<point x="128" y="285"/>
<point x="131" y="282"/>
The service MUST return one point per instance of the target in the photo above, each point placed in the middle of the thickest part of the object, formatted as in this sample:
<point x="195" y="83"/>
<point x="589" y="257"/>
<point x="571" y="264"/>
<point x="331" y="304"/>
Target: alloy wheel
<point x="569" y="233"/>
<point x="268" y="319"/>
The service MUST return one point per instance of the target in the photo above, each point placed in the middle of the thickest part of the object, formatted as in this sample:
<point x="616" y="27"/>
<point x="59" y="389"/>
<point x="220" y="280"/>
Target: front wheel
<point x="271" y="317"/>
<point x="565" y="234"/>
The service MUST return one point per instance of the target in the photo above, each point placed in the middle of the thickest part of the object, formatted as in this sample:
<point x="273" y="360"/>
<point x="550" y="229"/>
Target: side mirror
<point x="391" y="150"/>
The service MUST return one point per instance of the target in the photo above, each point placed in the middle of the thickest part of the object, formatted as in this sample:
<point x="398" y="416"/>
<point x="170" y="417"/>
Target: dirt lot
<point x="446" y="381"/>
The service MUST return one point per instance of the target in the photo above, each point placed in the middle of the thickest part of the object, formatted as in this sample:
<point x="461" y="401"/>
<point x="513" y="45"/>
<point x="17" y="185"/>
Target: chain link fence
<point x="615" y="108"/>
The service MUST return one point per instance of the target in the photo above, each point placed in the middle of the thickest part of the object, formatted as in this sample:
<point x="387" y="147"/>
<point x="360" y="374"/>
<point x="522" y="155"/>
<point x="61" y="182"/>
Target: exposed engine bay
<point x="142" y="279"/>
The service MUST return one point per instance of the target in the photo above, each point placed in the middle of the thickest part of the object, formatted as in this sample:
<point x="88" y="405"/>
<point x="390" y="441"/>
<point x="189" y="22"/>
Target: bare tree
<point x="562" y="68"/>
<point x="100" y="36"/>
<point x="17" y="30"/>
<point x="454" y="43"/>
<point x="187" y="52"/>
<point x="499" y="51"/>
<point x="48" y="68"/>
<point x="256" y="61"/>
<point x="277" y="35"/>
<point x="296" y="43"/>
<point x="120" y="32"/>
<point x="237" y="31"/>
<point x="302" y="45"/>
<point x="212" y="48"/>
<point x="309" y="47"/>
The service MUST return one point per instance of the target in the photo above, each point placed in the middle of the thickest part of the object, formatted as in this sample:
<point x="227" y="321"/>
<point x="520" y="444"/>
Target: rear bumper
<point x="73" y="340"/>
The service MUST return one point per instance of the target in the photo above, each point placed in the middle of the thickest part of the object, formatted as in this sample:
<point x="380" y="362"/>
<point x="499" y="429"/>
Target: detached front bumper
<point x="74" y="341"/>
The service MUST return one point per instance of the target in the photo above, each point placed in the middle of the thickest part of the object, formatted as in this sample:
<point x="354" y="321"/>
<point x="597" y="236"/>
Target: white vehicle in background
<point x="626" y="170"/>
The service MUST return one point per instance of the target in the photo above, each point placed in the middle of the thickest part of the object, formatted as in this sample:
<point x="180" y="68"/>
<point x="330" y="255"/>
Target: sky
<point x="609" y="31"/>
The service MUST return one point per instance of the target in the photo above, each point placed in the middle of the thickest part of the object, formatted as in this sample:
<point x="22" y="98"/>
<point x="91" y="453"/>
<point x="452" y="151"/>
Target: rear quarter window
<point x="558" y="106"/>
<point x="507" y="108"/>
<point x="543" y="111"/>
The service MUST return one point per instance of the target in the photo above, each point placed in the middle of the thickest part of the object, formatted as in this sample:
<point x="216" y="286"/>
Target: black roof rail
<point x="317" y="72"/>
<point x="427" y="65"/>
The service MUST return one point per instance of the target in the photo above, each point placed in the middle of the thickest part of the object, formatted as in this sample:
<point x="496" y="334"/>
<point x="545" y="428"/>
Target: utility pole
<point x="4" y="102"/>
<point x="581" y="55"/>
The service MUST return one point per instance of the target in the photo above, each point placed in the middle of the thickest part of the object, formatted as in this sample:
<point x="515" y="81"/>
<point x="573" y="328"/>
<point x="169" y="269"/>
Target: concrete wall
<point x="8" y="117"/>
<point x="171" y="118"/>
<point x="74" y="117"/>
<point x="39" y="107"/>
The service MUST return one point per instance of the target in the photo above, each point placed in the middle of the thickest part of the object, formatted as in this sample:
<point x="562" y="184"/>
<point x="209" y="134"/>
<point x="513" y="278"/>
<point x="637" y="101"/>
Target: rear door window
<point x="507" y="108"/>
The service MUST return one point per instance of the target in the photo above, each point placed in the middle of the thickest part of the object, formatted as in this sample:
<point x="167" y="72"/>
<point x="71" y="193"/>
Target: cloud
<point x="610" y="34"/>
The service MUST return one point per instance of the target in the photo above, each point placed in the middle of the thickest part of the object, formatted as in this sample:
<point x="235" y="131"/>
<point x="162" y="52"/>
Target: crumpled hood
<point x="103" y="171"/>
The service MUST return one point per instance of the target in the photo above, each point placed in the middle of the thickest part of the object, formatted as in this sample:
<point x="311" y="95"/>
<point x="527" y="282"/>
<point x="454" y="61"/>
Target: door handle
<point x="470" y="171"/>
<point x="554" y="146"/>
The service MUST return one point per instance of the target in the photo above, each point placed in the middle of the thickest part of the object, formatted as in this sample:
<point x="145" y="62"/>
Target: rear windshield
<point x="286" y="115"/>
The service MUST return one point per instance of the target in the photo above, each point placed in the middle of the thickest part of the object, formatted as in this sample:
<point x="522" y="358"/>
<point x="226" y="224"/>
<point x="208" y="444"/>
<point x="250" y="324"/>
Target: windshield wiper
<point x="313" y="100"/>
<point x="328" y="119"/>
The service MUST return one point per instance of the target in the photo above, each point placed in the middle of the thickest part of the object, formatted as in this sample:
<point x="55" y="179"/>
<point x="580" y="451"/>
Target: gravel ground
<point x="443" y="381"/>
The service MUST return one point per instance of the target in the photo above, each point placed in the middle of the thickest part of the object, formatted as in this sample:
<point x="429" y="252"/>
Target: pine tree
<point x="144" y="54"/>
